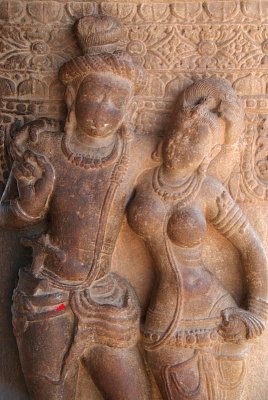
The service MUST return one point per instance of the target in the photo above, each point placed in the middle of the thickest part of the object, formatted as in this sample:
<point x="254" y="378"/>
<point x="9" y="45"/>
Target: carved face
<point x="187" y="148"/>
<point x="101" y="103"/>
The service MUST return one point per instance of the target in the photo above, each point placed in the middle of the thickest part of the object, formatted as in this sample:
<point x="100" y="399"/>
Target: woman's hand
<point x="238" y="324"/>
<point x="233" y="115"/>
<point x="35" y="178"/>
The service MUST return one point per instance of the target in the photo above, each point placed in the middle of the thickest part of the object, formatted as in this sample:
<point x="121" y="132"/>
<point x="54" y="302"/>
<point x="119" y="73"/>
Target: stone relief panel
<point x="158" y="35"/>
<point x="188" y="348"/>
<point x="177" y="44"/>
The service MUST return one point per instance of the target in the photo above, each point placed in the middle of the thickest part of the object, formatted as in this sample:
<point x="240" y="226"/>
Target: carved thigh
<point x="44" y="335"/>
<point x="184" y="380"/>
<point x="231" y="361"/>
<point x="44" y="344"/>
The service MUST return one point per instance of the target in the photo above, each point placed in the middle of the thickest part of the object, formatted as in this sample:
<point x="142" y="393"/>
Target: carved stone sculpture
<point x="133" y="223"/>
<point x="196" y="336"/>
<point x="70" y="191"/>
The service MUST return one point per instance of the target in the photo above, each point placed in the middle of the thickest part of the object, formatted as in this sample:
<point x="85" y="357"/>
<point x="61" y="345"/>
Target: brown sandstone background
<point x="177" y="42"/>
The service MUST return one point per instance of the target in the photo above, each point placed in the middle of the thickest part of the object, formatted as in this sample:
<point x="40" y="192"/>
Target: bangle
<point x="258" y="306"/>
<point x="20" y="213"/>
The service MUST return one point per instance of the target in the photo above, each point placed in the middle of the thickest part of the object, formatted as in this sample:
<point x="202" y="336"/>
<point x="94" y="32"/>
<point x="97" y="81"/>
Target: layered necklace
<point x="183" y="192"/>
<point x="91" y="161"/>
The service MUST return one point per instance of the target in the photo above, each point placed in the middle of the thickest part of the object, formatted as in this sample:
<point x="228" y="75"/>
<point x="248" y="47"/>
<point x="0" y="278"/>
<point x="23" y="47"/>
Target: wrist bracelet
<point x="20" y="213"/>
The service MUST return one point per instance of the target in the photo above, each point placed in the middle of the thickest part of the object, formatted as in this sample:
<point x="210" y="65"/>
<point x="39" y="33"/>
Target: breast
<point x="186" y="227"/>
<point x="146" y="215"/>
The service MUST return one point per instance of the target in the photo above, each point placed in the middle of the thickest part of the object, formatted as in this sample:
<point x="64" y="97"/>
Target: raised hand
<point x="35" y="178"/>
<point x="232" y="113"/>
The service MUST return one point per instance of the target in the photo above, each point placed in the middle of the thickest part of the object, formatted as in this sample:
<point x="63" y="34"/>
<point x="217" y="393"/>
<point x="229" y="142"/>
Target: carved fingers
<point x="44" y="183"/>
<point x="35" y="180"/>
<point x="239" y="324"/>
<point x="25" y="175"/>
<point x="230" y="110"/>
<point x="232" y="113"/>
<point x="24" y="172"/>
<point x="224" y="203"/>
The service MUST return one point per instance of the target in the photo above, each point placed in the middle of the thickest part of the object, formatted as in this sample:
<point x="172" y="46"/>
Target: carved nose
<point x="101" y="123"/>
<point x="101" y="117"/>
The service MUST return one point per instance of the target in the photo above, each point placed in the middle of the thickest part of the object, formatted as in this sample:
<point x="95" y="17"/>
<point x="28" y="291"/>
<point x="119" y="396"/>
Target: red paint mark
<point x="60" y="307"/>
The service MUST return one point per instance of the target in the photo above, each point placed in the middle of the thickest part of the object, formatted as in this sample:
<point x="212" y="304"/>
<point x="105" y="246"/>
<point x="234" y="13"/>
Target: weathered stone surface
<point x="179" y="44"/>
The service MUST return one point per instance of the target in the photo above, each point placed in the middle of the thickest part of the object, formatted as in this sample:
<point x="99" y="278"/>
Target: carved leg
<point x="204" y="374"/>
<point x="43" y="344"/>
<point x="232" y="369"/>
<point x="118" y="373"/>
<point x="180" y="374"/>
<point x="44" y="389"/>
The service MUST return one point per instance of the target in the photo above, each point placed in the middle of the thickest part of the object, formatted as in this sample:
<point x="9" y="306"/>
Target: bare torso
<point x="87" y="205"/>
<point x="185" y="290"/>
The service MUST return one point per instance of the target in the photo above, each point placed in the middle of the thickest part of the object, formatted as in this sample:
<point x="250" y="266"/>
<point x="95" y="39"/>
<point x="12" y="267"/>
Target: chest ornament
<point x="183" y="193"/>
<point x="90" y="161"/>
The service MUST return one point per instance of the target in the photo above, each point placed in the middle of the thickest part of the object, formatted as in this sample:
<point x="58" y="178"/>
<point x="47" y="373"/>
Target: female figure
<point x="195" y="334"/>
<point x="73" y="188"/>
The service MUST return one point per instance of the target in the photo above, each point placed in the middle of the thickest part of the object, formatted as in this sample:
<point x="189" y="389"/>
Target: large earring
<point x="71" y="123"/>
<point x="157" y="153"/>
<point x="126" y="129"/>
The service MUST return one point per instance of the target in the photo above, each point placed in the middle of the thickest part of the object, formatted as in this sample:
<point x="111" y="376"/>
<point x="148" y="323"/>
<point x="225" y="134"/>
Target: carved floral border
<point x="227" y="38"/>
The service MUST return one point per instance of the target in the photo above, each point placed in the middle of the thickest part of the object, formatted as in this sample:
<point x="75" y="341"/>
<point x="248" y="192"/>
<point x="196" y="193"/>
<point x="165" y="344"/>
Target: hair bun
<point x="97" y="31"/>
<point x="99" y="36"/>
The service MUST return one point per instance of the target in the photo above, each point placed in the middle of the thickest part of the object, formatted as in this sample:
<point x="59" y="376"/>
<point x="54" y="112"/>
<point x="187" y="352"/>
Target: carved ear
<point x="157" y="153"/>
<point x="129" y="119"/>
<point x="126" y="130"/>
<point x="132" y="109"/>
<point x="71" y="123"/>
<point x="70" y="97"/>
